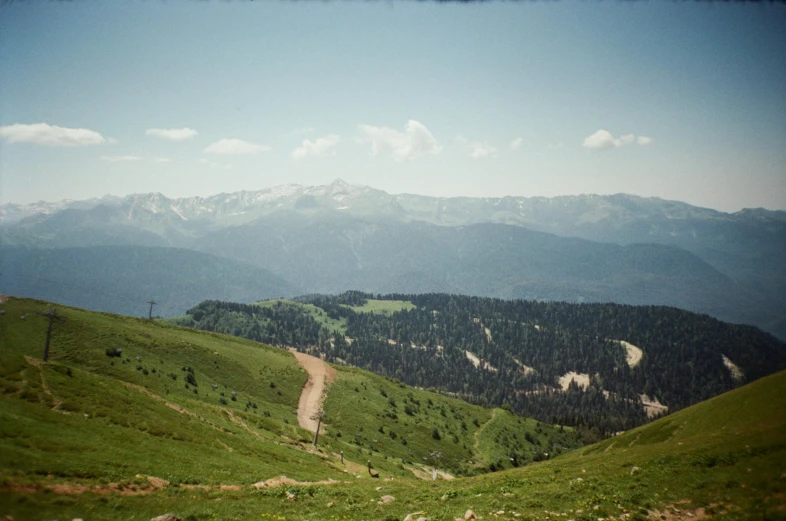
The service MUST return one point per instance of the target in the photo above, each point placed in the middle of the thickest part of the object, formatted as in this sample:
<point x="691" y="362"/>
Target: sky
<point x="678" y="100"/>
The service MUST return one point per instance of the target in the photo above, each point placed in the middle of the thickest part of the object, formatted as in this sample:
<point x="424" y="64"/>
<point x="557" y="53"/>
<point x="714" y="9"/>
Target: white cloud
<point x="122" y="159"/>
<point x="517" y="143"/>
<point x="235" y="147"/>
<point x="604" y="140"/>
<point x="161" y="160"/>
<point x="601" y="140"/>
<point x="173" y="134"/>
<point x="50" y="135"/>
<point x="480" y="150"/>
<point x="320" y="147"/>
<point x="415" y="141"/>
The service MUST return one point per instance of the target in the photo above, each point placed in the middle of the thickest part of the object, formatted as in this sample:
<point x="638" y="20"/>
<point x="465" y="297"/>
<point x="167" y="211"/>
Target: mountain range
<point x="331" y="238"/>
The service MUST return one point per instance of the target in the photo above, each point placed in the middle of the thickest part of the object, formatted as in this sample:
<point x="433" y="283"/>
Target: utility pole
<point x="318" y="416"/>
<point x="51" y="314"/>
<point x="150" y="313"/>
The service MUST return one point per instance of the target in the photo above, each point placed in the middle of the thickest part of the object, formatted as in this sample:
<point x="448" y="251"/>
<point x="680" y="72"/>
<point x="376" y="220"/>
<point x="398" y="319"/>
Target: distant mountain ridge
<point x="340" y="236"/>
<point x="450" y="211"/>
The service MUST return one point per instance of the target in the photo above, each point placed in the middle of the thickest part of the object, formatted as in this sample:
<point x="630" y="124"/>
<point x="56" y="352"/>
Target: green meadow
<point x="131" y="419"/>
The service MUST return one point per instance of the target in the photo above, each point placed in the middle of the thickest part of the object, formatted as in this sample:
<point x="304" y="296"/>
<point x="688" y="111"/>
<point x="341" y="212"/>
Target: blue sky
<point x="683" y="101"/>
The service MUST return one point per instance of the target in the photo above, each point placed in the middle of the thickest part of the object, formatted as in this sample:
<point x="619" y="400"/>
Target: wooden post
<point x="318" y="417"/>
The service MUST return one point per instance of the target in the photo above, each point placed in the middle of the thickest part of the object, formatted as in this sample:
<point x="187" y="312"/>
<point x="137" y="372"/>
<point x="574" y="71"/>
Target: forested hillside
<point x="600" y="367"/>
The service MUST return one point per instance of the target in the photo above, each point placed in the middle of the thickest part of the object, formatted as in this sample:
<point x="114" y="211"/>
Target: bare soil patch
<point x="633" y="354"/>
<point x="733" y="368"/>
<point x="282" y="481"/>
<point x="581" y="379"/>
<point x="652" y="406"/>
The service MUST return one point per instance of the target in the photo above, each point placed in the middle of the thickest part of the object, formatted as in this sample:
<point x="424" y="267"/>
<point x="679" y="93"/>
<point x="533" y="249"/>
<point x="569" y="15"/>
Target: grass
<point x="317" y="313"/>
<point x="383" y="307"/>
<point x="385" y="418"/>
<point x="89" y="419"/>
<point x="102" y="417"/>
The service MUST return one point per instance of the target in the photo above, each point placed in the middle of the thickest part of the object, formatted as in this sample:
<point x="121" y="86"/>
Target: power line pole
<point x="51" y="314"/>
<point x="150" y="313"/>
<point x="318" y="416"/>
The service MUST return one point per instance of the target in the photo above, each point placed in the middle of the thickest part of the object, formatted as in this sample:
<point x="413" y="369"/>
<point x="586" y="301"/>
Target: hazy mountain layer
<point x="121" y="279"/>
<point x="340" y="236"/>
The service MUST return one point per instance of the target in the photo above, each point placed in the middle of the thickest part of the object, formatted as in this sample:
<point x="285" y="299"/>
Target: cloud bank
<point x="415" y="141"/>
<point x="172" y="134"/>
<point x="320" y="147"/>
<point x="50" y="135"/>
<point x="604" y="140"/>
<point x="235" y="147"/>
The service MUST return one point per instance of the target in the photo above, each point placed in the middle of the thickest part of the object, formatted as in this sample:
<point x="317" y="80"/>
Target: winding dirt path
<point x="319" y="373"/>
<point x="57" y="401"/>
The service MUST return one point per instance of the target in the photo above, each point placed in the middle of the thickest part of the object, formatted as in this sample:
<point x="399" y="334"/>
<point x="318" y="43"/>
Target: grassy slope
<point x="724" y="457"/>
<point x="89" y="418"/>
<point x="317" y="313"/>
<point x="384" y="307"/>
<point x="388" y="419"/>
<point x="104" y="429"/>
<point x="727" y="454"/>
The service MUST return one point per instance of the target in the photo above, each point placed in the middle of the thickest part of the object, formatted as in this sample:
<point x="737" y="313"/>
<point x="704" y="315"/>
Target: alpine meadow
<point x="392" y="261"/>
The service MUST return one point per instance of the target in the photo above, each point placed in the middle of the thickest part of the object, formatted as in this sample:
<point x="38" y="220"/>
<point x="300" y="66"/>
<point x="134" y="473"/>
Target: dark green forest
<point x="524" y="347"/>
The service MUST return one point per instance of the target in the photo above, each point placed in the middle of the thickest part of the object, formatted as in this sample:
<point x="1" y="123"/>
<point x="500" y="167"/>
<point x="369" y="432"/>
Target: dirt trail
<point x="57" y="401"/>
<point x="313" y="392"/>
<point x="138" y="488"/>
<point x="174" y="406"/>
